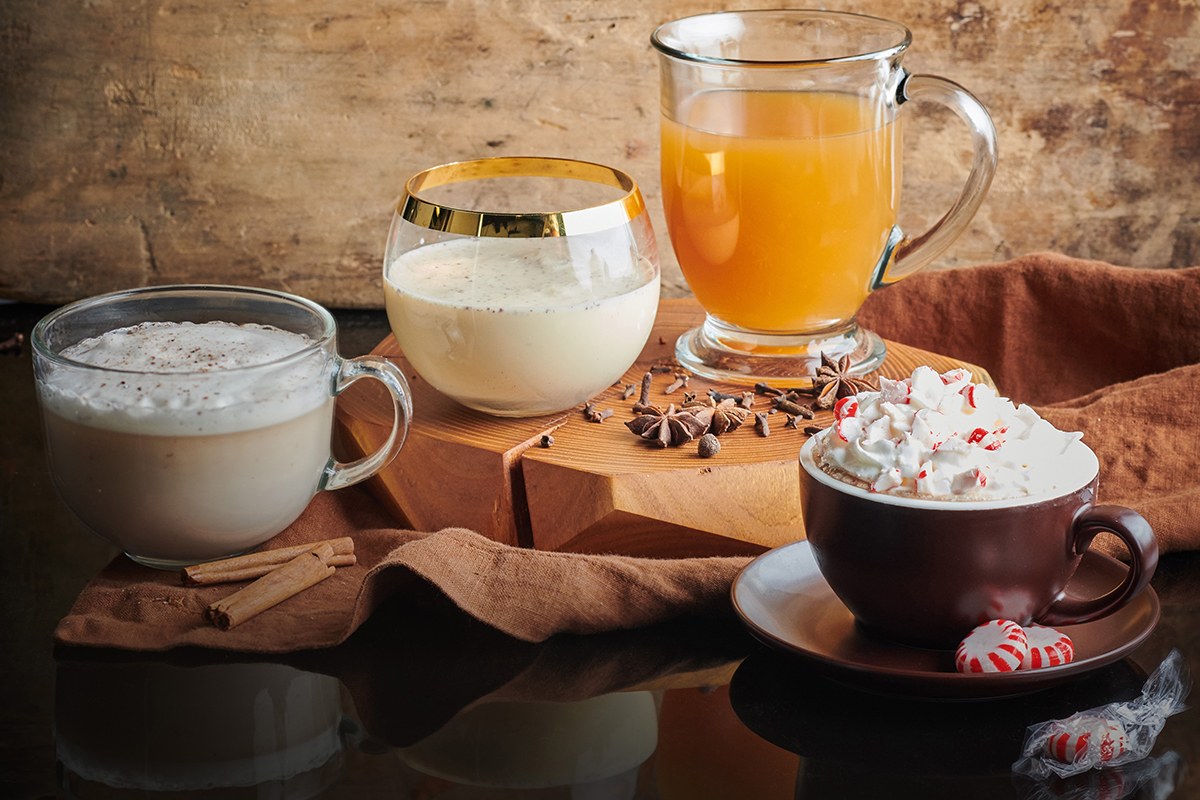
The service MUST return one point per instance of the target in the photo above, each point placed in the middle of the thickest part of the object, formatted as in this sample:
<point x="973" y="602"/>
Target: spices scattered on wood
<point x="761" y="424"/>
<point x="709" y="446"/>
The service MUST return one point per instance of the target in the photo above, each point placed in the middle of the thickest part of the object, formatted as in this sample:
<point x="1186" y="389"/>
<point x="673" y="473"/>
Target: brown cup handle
<point x="1132" y="528"/>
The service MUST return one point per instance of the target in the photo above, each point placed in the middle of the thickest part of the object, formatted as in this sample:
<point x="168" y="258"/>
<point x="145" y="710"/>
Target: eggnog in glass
<point x="521" y="313"/>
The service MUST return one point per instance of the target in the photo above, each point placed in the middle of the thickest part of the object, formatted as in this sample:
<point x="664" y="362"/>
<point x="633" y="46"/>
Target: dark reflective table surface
<point x="424" y="702"/>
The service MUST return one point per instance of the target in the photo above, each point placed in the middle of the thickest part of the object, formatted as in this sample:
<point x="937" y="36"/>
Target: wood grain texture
<point x="598" y="488"/>
<point x="265" y="143"/>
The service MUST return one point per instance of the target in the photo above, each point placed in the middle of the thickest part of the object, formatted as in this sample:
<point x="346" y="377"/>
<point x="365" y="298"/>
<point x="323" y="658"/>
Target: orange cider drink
<point x="780" y="203"/>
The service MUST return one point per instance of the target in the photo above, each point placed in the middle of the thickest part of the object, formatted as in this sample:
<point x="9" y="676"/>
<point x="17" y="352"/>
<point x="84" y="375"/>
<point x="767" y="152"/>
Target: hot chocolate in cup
<point x="191" y="423"/>
<point x="924" y="571"/>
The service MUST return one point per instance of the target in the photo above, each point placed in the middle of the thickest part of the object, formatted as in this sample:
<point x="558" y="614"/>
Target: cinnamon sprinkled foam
<point x="172" y="378"/>
<point x="942" y="436"/>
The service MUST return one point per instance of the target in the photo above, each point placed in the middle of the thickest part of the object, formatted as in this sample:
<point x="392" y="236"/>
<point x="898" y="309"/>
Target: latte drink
<point x="188" y="442"/>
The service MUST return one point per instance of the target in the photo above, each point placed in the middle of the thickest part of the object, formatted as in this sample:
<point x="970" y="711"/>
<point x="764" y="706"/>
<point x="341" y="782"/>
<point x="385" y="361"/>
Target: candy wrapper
<point x="1107" y="736"/>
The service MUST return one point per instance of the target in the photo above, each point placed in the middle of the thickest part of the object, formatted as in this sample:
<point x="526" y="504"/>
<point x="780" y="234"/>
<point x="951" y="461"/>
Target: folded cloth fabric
<point x="527" y="594"/>
<point x="1110" y="351"/>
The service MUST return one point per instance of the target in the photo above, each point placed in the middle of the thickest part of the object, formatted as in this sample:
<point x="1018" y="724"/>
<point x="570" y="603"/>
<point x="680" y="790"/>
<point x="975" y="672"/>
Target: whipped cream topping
<point x="942" y="436"/>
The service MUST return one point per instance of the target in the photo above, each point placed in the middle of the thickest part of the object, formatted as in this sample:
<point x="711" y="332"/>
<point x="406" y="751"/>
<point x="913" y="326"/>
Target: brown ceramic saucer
<point x="784" y="601"/>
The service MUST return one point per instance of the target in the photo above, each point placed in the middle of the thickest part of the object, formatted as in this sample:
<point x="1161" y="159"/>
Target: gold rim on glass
<point x="532" y="225"/>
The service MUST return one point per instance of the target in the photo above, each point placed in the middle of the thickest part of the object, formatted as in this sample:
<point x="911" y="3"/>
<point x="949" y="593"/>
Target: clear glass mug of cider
<point x="781" y="174"/>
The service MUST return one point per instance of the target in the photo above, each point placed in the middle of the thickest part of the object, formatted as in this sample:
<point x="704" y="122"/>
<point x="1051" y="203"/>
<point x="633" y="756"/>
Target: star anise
<point x="727" y="415"/>
<point x="833" y="381"/>
<point x="670" y="428"/>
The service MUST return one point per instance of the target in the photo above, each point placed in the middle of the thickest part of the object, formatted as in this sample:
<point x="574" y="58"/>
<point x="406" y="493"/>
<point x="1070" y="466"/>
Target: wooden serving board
<point x="598" y="488"/>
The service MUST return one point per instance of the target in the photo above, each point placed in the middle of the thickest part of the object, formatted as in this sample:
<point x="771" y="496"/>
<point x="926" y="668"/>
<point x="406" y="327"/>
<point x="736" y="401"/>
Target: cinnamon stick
<point x="303" y="571"/>
<point x="255" y="565"/>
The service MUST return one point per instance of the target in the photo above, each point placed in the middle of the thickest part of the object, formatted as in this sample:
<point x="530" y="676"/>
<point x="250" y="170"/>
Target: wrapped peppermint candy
<point x="1107" y="736"/>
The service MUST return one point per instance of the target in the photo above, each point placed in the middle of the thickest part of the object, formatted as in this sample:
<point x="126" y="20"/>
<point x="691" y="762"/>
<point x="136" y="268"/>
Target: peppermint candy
<point x="1099" y="740"/>
<point x="1047" y="648"/>
<point x="996" y="646"/>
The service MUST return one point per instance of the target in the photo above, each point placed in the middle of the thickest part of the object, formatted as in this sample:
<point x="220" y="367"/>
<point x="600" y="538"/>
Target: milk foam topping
<point x="171" y="378"/>
<point x="943" y="436"/>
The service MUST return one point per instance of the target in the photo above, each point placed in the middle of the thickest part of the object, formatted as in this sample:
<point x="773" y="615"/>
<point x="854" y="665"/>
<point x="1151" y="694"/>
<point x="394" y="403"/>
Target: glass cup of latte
<point x="191" y="423"/>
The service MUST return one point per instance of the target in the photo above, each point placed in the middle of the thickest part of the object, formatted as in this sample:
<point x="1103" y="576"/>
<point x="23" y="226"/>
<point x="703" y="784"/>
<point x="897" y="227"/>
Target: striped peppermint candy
<point x="1076" y="739"/>
<point x="996" y="646"/>
<point x="1047" y="648"/>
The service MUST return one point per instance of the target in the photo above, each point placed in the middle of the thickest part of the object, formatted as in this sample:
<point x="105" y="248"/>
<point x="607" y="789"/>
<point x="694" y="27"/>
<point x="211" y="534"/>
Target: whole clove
<point x="812" y="430"/>
<point x="761" y="425"/>
<point x="791" y="421"/>
<point x="643" y="402"/>
<point x="661" y="369"/>
<point x="770" y="391"/>
<point x="689" y="397"/>
<point x="592" y="415"/>
<point x="793" y="408"/>
<point x="709" y="446"/>
<point x="747" y="400"/>
<point x="628" y="391"/>
<point x="681" y="380"/>
<point x="719" y="396"/>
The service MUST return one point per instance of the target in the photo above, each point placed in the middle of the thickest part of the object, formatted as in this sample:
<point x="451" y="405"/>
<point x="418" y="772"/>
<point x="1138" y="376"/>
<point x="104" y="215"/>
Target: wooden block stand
<point x="598" y="488"/>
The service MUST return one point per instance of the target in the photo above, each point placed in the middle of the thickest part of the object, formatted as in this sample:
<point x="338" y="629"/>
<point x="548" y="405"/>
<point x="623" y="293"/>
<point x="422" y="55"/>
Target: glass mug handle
<point x="338" y="474"/>
<point x="912" y="254"/>
<point x="1132" y="529"/>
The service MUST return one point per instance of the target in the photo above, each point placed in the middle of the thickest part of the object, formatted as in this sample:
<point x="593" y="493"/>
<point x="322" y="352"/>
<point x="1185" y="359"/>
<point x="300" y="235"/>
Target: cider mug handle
<point x="1131" y="528"/>
<point x="338" y="474"/>
<point x="906" y="255"/>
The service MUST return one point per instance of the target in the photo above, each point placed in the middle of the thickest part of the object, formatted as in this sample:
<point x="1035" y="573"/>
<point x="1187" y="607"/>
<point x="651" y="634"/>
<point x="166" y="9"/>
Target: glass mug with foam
<point x="781" y="176"/>
<point x="191" y="423"/>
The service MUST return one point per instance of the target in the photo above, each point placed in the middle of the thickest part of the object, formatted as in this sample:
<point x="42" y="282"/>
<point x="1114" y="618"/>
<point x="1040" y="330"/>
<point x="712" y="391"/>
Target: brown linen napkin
<point x="1113" y="352"/>
<point x="1110" y="351"/>
<point x="527" y="594"/>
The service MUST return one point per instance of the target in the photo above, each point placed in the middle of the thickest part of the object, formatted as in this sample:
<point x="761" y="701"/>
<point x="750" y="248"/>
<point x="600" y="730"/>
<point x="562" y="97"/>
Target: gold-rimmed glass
<point x="521" y="286"/>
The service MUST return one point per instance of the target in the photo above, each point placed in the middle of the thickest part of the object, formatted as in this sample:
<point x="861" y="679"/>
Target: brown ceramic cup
<point x="924" y="572"/>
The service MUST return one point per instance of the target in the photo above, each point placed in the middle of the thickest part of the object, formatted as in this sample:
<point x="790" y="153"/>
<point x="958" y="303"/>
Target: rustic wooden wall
<point x="264" y="142"/>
